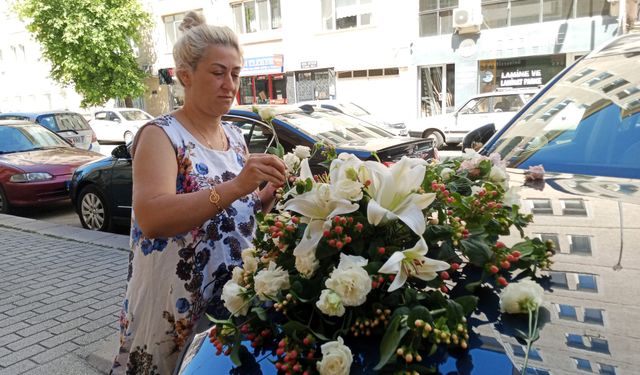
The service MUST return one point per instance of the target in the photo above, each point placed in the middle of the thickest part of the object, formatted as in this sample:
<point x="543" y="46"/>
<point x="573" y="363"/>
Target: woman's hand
<point x="258" y="169"/>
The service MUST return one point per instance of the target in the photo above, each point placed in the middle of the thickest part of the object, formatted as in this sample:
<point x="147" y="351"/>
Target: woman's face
<point x="213" y="85"/>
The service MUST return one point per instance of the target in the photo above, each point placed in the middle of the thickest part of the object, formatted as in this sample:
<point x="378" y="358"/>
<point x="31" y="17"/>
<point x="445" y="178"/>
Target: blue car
<point x="101" y="191"/>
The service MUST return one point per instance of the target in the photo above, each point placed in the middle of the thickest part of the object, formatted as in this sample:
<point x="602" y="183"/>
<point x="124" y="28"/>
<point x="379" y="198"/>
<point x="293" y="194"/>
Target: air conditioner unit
<point x="467" y="20"/>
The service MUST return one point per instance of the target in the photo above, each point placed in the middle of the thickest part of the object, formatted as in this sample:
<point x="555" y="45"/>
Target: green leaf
<point x="419" y="312"/>
<point x="235" y="351"/>
<point x="391" y="339"/>
<point x="468" y="303"/>
<point x="261" y="313"/>
<point x="477" y="251"/>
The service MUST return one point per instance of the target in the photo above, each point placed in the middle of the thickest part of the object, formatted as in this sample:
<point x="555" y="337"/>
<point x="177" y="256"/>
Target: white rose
<point x="302" y="152"/>
<point x="348" y="189"/>
<point x="498" y="174"/>
<point x="234" y="301"/>
<point x="336" y="358"/>
<point x="306" y="263"/>
<point x="249" y="260"/>
<point x="270" y="281"/>
<point x="446" y="173"/>
<point x="266" y="113"/>
<point x="330" y="303"/>
<point x="352" y="284"/>
<point x="521" y="296"/>
<point x="291" y="161"/>
<point x="237" y="275"/>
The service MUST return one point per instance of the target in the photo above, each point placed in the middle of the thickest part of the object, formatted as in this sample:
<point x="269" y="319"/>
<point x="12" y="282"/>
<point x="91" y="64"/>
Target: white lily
<point x="318" y="206"/>
<point x="412" y="262"/>
<point x="394" y="194"/>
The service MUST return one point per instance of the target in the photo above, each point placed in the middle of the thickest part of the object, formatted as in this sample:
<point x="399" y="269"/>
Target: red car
<point x="36" y="164"/>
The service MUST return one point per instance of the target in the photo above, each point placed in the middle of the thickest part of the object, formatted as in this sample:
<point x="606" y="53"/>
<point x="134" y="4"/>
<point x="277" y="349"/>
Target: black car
<point x="101" y="191"/>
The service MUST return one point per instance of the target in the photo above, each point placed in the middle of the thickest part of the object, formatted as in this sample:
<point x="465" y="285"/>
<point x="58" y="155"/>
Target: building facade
<point x="398" y="59"/>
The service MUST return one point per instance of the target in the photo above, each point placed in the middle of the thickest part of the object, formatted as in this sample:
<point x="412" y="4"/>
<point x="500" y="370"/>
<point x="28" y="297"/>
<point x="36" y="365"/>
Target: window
<point x="256" y="15"/>
<point x="553" y="10"/>
<point x="575" y="341"/>
<point x="559" y="280"/>
<point x="257" y="136"/>
<point x="541" y="206"/>
<point x="567" y="312"/>
<point x="580" y="244"/>
<point x="583" y="364"/>
<point x="172" y="28"/>
<point x="344" y="14"/>
<point x="599" y="345"/>
<point x="587" y="283"/>
<point x="593" y="316"/>
<point x="436" y="16"/>
<point x="495" y="14"/>
<point x="574" y="207"/>
<point x="519" y="351"/>
<point x="607" y="369"/>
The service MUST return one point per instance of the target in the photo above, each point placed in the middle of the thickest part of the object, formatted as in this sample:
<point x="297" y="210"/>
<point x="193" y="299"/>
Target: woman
<point x="194" y="200"/>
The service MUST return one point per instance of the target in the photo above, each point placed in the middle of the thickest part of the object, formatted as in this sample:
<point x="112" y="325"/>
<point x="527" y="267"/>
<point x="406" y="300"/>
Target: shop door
<point x="433" y="101"/>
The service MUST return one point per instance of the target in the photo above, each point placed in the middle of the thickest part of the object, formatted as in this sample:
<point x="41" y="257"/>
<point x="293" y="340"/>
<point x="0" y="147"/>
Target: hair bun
<point x="191" y="20"/>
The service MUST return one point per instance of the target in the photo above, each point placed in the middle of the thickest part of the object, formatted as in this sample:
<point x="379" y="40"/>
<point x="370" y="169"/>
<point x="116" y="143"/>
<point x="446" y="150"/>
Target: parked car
<point x="35" y="165"/>
<point x="70" y="125"/>
<point x="352" y="109"/>
<point x="118" y="124"/>
<point x="101" y="191"/>
<point x="450" y="128"/>
<point x="584" y="129"/>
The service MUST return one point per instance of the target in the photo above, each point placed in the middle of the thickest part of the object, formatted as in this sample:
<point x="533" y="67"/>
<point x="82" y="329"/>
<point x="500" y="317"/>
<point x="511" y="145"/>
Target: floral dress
<point x="172" y="280"/>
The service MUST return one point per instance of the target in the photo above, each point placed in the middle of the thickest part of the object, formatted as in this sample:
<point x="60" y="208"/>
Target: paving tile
<point x="18" y="368"/>
<point x="18" y="356"/>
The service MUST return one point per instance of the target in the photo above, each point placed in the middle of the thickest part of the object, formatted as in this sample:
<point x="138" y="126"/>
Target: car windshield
<point x="28" y="138"/>
<point x="352" y="109"/>
<point x="333" y="127"/>
<point x="134" y="115"/>
<point x="68" y="122"/>
<point x="588" y="122"/>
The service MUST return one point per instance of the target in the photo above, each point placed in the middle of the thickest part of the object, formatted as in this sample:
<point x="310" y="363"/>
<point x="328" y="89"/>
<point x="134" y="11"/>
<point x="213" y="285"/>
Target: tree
<point x="90" y="43"/>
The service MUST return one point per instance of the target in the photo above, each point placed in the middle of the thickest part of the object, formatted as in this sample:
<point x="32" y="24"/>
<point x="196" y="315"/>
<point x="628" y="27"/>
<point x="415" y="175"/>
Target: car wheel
<point x="4" y="203"/>
<point x="128" y="137"/>
<point x="93" y="209"/>
<point x="438" y="140"/>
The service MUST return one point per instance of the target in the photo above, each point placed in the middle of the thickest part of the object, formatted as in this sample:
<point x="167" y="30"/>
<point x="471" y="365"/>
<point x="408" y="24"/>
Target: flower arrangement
<point x="391" y="253"/>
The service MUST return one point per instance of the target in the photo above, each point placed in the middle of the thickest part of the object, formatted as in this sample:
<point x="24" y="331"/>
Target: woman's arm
<point x="160" y="212"/>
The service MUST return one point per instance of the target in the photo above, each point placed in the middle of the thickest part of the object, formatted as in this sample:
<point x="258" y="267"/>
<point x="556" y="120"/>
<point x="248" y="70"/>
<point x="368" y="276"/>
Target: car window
<point x="71" y="121"/>
<point x="476" y="105"/>
<point x="26" y="138"/>
<point x="101" y="115"/>
<point x="14" y="117"/>
<point x="588" y="122"/>
<point x="112" y="116"/>
<point x="134" y="115"/>
<point x="508" y="103"/>
<point x="257" y="136"/>
<point x="49" y="122"/>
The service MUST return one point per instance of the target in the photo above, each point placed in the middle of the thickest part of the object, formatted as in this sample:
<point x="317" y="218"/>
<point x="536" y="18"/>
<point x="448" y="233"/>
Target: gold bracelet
<point x="214" y="198"/>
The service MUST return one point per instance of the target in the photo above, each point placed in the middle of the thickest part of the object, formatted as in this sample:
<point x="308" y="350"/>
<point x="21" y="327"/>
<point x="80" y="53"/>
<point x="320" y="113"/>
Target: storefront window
<point x="315" y="85"/>
<point x="525" y="72"/>
<point x="524" y="12"/>
<point x="279" y="85"/>
<point x="268" y="89"/>
<point x="246" y="90"/>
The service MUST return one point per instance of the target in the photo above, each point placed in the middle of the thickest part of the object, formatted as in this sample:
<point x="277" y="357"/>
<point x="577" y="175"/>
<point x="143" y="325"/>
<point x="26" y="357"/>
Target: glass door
<point x="433" y="100"/>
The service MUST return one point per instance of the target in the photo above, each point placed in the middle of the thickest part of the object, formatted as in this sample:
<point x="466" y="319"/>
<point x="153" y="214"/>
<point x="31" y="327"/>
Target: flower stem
<point x="533" y="326"/>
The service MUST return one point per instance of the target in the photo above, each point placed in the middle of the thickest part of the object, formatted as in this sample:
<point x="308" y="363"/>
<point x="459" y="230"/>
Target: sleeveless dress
<point x="172" y="280"/>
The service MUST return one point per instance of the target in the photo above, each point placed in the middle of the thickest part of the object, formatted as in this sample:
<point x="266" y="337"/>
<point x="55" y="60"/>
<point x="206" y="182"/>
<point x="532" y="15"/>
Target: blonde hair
<point x="198" y="35"/>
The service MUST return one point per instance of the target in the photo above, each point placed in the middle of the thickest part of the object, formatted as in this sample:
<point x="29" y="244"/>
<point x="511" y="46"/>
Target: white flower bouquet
<point x="391" y="253"/>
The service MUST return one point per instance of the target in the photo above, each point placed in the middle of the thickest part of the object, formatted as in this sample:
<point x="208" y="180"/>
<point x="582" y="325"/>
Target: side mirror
<point x="476" y="138"/>
<point x="121" y="152"/>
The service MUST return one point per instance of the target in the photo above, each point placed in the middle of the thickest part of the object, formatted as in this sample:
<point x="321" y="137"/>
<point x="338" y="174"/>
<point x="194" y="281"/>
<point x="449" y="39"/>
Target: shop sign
<point x="263" y="65"/>
<point x="521" y="78"/>
<point x="309" y="64"/>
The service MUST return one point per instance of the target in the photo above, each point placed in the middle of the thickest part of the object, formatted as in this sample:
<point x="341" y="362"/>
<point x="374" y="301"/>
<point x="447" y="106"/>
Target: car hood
<point x="436" y="121"/>
<point x="58" y="161"/>
<point x="592" y="292"/>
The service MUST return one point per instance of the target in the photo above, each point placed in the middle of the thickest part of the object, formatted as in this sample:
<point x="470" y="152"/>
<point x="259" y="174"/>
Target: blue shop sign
<point x="263" y="65"/>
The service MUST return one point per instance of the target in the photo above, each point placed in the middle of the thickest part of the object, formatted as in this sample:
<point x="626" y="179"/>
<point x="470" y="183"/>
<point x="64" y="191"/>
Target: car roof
<point x="15" y="123"/>
<point x="247" y="110"/>
<point x="33" y="115"/>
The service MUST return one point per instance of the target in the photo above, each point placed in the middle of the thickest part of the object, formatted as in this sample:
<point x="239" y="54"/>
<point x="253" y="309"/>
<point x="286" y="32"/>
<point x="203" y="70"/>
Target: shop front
<point x="262" y="81"/>
<point x="518" y="73"/>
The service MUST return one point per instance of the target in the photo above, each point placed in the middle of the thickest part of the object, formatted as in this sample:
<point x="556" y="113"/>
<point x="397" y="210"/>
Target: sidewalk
<point x="60" y="294"/>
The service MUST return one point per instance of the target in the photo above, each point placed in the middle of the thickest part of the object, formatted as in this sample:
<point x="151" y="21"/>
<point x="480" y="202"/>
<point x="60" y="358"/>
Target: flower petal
<point x="310" y="238"/>
<point x="398" y="282"/>
<point x="393" y="264"/>
<point x="375" y="212"/>
<point x="413" y="217"/>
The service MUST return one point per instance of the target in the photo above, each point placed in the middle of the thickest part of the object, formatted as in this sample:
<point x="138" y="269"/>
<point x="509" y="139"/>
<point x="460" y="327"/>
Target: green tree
<point x="89" y="43"/>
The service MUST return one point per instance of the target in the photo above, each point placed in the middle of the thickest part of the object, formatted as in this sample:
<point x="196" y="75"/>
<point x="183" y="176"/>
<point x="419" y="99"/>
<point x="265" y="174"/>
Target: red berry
<point x="273" y="229"/>
<point x="280" y="351"/>
<point x="374" y="284"/>
<point x="338" y="229"/>
<point x="493" y="269"/>
<point x="282" y="343"/>
<point x="293" y="354"/>
<point x="265" y="333"/>
<point x="290" y="228"/>
<point x="359" y="227"/>
<point x="445" y="193"/>
<point x="347" y="239"/>
<point x="332" y="243"/>
<point x="499" y="245"/>
<point x="444" y="275"/>
<point x="336" y="219"/>
<point x="455" y="266"/>
<point x="326" y="233"/>
<point x="505" y="264"/>
<point x="279" y="224"/>
<point x="295" y="220"/>
<point x="392" y="277"/>
<point x="502" y="281"/>
<point x="450" y="199"/>
<point x="339" y="245"/>
<point x="511" y="258"/>
<point x="381" y="250"/>
<point x="306" y="341"/>
<point x="516" y="254"/>
<point x="444" y="289"/>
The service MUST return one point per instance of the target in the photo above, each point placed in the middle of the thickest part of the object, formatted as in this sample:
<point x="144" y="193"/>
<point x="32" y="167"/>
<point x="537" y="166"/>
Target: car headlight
<point x="399" y="125"/>
<point x="31" y="177"/>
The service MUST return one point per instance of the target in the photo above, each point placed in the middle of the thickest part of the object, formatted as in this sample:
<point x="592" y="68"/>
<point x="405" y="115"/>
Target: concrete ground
<point x="60" y="293"/>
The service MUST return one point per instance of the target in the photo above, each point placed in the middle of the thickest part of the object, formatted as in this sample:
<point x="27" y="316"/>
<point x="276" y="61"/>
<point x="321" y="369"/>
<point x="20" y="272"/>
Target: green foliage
<point x="89" y="44"/>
